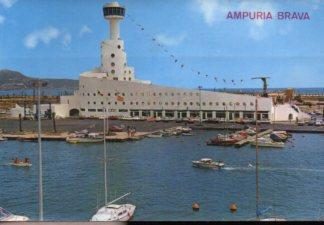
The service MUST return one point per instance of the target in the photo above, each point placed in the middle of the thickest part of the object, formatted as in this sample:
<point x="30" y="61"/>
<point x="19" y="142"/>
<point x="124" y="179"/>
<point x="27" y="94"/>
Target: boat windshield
<point x="4" y="213"/>
<point x="206" y="160"/>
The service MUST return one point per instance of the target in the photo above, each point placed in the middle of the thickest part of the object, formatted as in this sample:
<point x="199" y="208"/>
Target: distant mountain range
<point x="13" y="80"/>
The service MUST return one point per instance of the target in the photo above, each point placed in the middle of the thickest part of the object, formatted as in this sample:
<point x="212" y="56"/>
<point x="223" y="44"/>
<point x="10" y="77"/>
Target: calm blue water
<point x="164" y="184"/>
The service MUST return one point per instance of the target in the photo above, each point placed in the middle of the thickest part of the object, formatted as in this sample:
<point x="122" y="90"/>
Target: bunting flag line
<point x="172" y="56"/>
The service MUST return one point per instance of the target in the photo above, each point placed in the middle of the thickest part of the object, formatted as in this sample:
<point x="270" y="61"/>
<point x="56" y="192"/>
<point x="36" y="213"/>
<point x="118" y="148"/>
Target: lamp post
<point x="200" y="113"/>
<point x="39" y="84"/>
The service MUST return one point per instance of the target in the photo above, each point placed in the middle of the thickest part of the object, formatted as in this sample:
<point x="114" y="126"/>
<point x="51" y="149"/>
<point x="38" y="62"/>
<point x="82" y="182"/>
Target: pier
<point x="117" y="137"/>
<point x="251" y="138"/>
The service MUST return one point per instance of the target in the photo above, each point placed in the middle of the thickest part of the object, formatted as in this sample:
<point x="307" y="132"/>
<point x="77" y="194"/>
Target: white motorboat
<point x="5" y="215"/>
<point x="208" y="163"/>
<point x="187" y="134"/>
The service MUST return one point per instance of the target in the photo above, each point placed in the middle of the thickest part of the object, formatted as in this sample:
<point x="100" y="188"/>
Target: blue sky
<point x="61" y="39"/>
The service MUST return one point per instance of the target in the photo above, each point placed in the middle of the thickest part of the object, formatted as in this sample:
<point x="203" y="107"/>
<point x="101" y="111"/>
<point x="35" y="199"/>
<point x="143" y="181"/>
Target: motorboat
<point x="86" y="138"/>
<point x="5" y="215"/>
<point x="208" y="163"/>
<point x="265" y="142"/>
<point x="221" y="140"/>
<point x="158" y="119"/>
<point x="20" y="163"/>
<point x="187" y="134"/>
<point x="114" y="212"/>
<point x="279" y="136"/>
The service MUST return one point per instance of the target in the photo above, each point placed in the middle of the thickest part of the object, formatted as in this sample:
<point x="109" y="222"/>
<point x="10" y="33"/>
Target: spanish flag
<point x="99" y="93"/>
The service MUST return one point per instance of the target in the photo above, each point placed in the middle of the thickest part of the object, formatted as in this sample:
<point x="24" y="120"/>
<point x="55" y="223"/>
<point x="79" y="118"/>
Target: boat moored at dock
<point x="85" y="138"/>
<point x="267" y="142"/>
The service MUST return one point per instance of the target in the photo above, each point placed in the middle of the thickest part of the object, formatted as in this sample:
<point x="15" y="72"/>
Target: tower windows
<point x="113" y="71"/>
<point x="112" y="64"/>
<point x="112" y="55"/>
<point x="124" y="78"/>
<point x="129" y="79"/>
<point x="118" y="46"/>
<point x="129" y="72"/>
<point x="115" y="78"/>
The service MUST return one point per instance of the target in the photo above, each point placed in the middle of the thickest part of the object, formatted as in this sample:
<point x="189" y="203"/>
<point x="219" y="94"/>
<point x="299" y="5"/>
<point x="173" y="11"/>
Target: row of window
<point x="177" y="103"/>
<point x="166" y="94"/>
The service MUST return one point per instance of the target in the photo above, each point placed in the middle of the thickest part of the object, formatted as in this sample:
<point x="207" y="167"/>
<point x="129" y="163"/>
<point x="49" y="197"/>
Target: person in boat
<point x="26" y="160"/>
<point x="16" y="160"/>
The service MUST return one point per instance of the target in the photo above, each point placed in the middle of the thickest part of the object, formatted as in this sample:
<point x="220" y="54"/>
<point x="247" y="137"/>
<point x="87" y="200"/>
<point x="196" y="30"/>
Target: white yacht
<point x="113" y="212"/>
<point x="8" y="216"/>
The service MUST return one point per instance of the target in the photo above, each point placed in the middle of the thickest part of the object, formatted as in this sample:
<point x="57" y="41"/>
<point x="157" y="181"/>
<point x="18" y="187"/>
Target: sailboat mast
<point x="40" y="169"/>
<point x="256" y="159"/>
<point x="105" y="155"/>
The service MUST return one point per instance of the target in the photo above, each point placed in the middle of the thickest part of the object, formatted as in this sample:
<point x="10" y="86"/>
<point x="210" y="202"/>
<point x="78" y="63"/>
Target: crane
<point x="265" y="85"/>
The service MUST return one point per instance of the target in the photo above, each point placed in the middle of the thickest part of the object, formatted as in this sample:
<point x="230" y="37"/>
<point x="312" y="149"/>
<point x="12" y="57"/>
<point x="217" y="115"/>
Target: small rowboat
<point x="20" y="164"/>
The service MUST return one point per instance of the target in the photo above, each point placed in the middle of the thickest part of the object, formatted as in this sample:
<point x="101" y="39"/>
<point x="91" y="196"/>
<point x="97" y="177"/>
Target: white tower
<point x="113" y="56"/>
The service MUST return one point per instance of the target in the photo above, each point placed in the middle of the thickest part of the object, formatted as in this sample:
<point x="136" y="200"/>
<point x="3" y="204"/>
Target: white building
<point x="113" y="86"/>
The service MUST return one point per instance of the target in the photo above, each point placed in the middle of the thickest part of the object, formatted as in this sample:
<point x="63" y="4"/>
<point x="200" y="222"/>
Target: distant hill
<point x="13" y="80"/>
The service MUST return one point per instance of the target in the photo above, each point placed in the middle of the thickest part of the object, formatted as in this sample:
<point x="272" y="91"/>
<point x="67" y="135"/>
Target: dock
<point x="251" y="138"/>
<point x="33" y="137"/>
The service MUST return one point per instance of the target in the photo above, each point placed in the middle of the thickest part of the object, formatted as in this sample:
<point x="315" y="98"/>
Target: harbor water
<point x="159" y="173"/>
